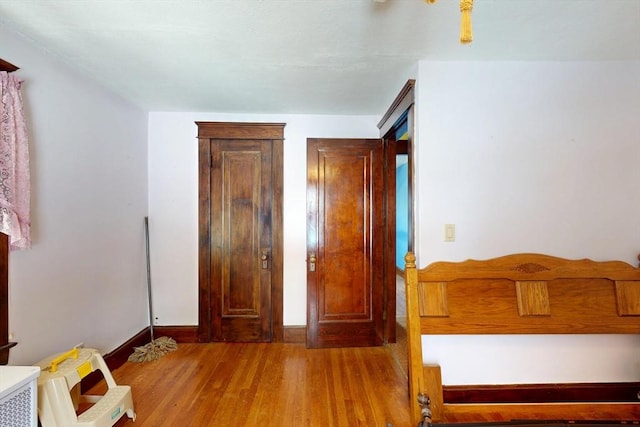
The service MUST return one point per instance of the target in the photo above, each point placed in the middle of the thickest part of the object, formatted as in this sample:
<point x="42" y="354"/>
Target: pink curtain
<point x="15" y="188"/>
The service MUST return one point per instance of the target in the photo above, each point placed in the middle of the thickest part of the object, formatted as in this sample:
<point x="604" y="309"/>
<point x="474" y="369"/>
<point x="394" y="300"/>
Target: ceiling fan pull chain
<point x="466" y="33"/>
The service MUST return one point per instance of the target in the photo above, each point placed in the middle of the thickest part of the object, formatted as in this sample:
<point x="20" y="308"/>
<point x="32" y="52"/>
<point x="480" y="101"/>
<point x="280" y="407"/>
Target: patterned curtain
<point x="15" y="188"/>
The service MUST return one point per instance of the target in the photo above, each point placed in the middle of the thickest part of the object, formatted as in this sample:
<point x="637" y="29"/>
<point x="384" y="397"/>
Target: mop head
<point x="153" y="350"/>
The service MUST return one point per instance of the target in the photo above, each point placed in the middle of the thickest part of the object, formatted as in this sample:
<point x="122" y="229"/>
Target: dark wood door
<point x="345" y="228"/>
<point x="240" y="238"/>
<point x="238" y="251"/>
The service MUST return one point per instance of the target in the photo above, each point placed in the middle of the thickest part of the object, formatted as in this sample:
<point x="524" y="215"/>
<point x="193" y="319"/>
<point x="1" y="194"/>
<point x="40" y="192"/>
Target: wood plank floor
<point x="279" y="385"/>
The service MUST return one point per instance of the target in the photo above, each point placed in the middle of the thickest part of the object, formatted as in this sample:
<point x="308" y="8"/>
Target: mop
<point x="157" y="347"/>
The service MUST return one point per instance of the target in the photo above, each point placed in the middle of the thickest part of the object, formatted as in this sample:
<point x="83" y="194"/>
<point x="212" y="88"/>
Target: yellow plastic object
<point x="64" y="356"/>
<point x="84" y="369"/>
<point x="59" y="393"/>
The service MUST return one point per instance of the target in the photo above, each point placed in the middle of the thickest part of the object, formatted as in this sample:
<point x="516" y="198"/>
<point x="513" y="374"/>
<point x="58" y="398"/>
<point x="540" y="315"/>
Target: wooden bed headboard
<point x="517" y="294"/>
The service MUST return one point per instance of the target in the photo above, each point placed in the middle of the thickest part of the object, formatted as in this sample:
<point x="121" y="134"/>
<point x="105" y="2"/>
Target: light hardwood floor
<point x="279" y="385"/>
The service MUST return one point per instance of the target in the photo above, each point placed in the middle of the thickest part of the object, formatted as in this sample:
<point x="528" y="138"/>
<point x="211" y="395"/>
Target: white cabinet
<point x="18" y="396"/>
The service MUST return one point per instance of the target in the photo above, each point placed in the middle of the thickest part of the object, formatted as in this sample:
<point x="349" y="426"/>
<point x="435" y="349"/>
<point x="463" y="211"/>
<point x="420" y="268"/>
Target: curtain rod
<point x="7" y="66"/>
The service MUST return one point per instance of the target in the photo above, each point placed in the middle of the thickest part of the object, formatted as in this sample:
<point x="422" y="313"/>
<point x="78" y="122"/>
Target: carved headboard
<point x="517" y="294"/>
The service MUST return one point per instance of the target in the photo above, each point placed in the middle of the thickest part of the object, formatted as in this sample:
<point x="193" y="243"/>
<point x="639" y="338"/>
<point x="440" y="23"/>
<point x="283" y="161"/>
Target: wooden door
<point x="239" y="257"/>
<point x="345" y="242"/>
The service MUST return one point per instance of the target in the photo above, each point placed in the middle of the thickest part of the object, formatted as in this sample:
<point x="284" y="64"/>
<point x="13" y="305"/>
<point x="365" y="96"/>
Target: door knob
<point x="312" y="262"/>
<point x="265" y="259"/>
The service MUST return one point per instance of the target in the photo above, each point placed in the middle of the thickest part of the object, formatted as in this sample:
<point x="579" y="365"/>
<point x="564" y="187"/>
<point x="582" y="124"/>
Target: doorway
<point x="337" y="291"/>
<point x="397" y="129"/>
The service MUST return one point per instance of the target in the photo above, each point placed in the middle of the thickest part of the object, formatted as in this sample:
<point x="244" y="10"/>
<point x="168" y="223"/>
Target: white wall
<point x="530" y="157"/>
<point x="173" y="205"/>
<point x="84" y="278"/>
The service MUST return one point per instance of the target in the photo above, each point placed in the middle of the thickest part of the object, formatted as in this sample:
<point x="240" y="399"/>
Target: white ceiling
<point x="305" y="56"/>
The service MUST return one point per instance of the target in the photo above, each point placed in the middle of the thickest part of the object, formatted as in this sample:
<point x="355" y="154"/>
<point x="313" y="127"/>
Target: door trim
<point x="239" y="131"/>
<point x="400" y="110"/>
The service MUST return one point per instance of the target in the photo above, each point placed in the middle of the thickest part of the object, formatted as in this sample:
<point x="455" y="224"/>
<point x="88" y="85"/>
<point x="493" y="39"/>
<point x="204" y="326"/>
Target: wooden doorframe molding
<point x="404" y="100"/>
<point x="401" y="109"/>
<point x="239" y="131"/>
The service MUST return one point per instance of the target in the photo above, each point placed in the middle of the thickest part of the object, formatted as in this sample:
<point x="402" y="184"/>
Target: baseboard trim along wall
<point x="182" y="334"/>
<point x="295" y="334"/>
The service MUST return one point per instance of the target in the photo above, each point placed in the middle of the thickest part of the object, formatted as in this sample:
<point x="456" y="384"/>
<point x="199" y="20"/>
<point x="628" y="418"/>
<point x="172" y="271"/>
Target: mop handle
<point x="146" y="241"/>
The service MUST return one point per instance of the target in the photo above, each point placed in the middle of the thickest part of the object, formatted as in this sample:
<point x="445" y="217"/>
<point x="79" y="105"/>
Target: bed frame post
<point x="425" y="410"/>
<point x="414" y="340"/>
<point x="432" y="375"/>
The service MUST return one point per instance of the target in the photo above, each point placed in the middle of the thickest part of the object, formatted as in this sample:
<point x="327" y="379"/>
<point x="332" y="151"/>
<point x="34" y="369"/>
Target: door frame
<point x="239" y="131"/>
<point x="400" y="110"/>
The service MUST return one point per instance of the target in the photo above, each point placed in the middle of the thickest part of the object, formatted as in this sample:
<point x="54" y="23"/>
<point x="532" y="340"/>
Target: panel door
<point x="241" y="240"/>
<point x="345" y="227"/>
